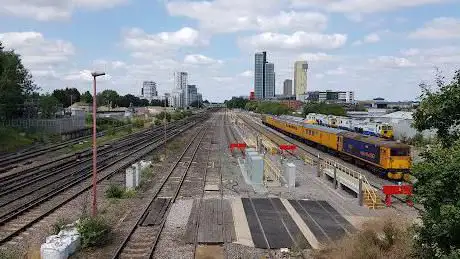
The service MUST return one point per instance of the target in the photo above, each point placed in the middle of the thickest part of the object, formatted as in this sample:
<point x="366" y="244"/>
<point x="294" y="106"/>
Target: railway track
<point x="143" y="236"/>
<point x="14" y="219"/>
<point x="10" y="161"/>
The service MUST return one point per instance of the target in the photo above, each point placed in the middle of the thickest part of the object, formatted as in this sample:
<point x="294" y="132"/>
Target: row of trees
<point x="278" y="108"/>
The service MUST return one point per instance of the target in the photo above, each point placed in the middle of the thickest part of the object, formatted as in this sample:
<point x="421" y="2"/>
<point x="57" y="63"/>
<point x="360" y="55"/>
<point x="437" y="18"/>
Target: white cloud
<point x="309" y="21"/>
<point x="391" y="62"/>
<point x="222" y="78"/>
<point x="370" y="38"/>
<point x="316" y="57"/>
<point x="336" y="71"/>
<point x="198" y="59"/>
<point x="242" y="15"/>
<point x="247" y="73"/>
<point x="47" y="10"/>
<point x="36" y="50"/>
<point x="298" y="40"/>
<point x="84" y="75"/>
<point x="410" y="52"/>
<point x="360" y="6"/>
<point x="150" y="46"/>
<point x="438" y="28"/>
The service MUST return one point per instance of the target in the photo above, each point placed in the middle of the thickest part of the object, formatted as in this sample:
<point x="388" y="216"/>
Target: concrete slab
<point x="301" y="224"/>
<point x="212" y="187"/>
<point x="243" y="234"/>
<point x="209" y="252"/>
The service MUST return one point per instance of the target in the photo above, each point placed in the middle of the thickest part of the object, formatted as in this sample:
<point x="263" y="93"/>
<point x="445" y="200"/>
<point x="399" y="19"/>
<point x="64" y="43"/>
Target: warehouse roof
<point x="399" y="115"/>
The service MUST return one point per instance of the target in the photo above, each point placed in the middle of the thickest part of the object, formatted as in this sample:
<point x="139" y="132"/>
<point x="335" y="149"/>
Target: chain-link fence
<point x="56" y="126"/>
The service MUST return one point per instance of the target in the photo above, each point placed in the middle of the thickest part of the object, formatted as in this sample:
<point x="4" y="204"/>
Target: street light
<point x="94" y="204"/>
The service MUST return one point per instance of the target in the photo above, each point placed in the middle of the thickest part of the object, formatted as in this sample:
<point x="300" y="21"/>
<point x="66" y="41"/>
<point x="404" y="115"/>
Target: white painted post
<point x="318" y="166"/>
<point x="130" y="178"/>
<point x="335" y="176"/>
<point x="360" y="191"/>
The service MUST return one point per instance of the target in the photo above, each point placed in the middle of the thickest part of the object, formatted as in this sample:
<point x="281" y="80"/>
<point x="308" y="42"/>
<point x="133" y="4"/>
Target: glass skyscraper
<point x="269" y="80"/>
<point x="259" y="75"/>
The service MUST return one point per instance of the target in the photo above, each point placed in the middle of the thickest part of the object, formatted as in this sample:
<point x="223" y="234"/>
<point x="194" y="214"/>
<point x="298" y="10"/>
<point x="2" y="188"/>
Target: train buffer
<point x="406" y="189"/>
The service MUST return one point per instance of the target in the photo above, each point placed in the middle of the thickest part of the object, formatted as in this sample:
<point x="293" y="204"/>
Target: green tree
<point x="438" y="180"/>
<point x="236" y="103"/>
<point x="67" y="96"/>
<point x="16" y="84"/>
<point x="161" y="116"/>
<point x="108" y="98"/>
<point x="251" y="105"/>
<point x="323" y="108"/>
<point x="49" y="105"/>
<point x="438" y="190"/>
<point x="86" y="97"/>
<point x="440" y="109"/>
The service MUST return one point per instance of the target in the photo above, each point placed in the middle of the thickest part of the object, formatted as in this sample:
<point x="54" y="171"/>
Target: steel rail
<point x="140" y="153"/>
<point x="145" y="210"/>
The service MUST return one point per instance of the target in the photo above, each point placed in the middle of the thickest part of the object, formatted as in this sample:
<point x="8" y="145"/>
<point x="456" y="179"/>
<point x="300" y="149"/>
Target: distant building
<point x="287" y="87"/>
<point x="269" y="80"/>
<point x="199" y="97"/>
<point x="259" y="75"/>
<point x="192" y="94"/>
<point x="180" y="85"/>
<point x="300" y="79"/>
<point x="331" y="96"/>
<point x="176" y="99"/>
<point x="381" y="103"/>
<point x="149" y="90"/>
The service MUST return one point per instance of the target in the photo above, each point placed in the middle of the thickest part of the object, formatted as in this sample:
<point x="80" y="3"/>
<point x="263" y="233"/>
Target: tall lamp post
<point x="94" y="204"/>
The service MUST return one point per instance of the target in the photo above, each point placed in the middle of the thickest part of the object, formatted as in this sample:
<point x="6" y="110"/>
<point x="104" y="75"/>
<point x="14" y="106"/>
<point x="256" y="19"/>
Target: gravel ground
<point x="120" y="213"/>
<point x="172" y="243"/>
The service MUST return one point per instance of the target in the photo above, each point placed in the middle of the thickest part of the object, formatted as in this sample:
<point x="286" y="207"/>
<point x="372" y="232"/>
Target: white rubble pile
<point x="62" y="245"/>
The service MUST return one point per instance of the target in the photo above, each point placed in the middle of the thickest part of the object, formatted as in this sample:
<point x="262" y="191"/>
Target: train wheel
<point x="390" y="175"/>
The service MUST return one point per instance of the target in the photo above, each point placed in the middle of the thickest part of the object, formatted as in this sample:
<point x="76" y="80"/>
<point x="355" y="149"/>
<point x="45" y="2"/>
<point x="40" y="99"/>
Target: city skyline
<point x="367" y="48"/>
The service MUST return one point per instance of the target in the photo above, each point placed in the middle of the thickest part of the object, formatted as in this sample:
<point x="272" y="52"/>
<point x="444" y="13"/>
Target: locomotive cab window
<point x="400" y="152"/>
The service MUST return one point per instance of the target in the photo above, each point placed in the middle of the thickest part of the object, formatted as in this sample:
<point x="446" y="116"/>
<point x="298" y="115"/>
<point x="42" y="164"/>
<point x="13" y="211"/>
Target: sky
<point x="377" y="48"/>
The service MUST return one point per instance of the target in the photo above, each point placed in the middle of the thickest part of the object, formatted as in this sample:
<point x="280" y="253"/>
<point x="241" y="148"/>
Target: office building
<point x="287" y="87"/>
<point x="269" y="91"/>
<point x="176" y="99"/>
<point x="300" y="79"/>
<point x="149" y="90"/>
<point x="192" y="93"/>
<point x="331" y="96"/>
<point x="259" y="75"/>
<point x="180" y="85"/>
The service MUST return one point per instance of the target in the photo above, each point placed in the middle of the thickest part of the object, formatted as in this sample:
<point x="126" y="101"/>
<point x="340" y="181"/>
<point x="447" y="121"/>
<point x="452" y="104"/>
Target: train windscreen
<point x="400" y="152"/>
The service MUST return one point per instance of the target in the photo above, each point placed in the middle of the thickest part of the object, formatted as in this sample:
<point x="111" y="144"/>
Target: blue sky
<point x="377" y="48"/>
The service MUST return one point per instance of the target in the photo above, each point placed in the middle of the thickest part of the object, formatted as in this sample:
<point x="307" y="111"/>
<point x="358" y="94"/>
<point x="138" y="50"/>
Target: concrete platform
<point x="268" y="223"/>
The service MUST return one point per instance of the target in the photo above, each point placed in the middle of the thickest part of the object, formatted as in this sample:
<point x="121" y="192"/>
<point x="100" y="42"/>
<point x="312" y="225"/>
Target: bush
<point x="380" y="239"/>
<point x="138" y="123"/>
<point x="59" y="225"/>
<point x="114" y="191"/>
<point x="94" y="231"/>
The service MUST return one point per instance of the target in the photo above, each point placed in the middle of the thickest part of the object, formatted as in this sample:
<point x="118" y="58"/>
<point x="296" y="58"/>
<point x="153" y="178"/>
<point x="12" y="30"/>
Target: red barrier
<point x="389" y="190"/>
<point x="240" y="146"/>
<point x="287" y="147"/>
